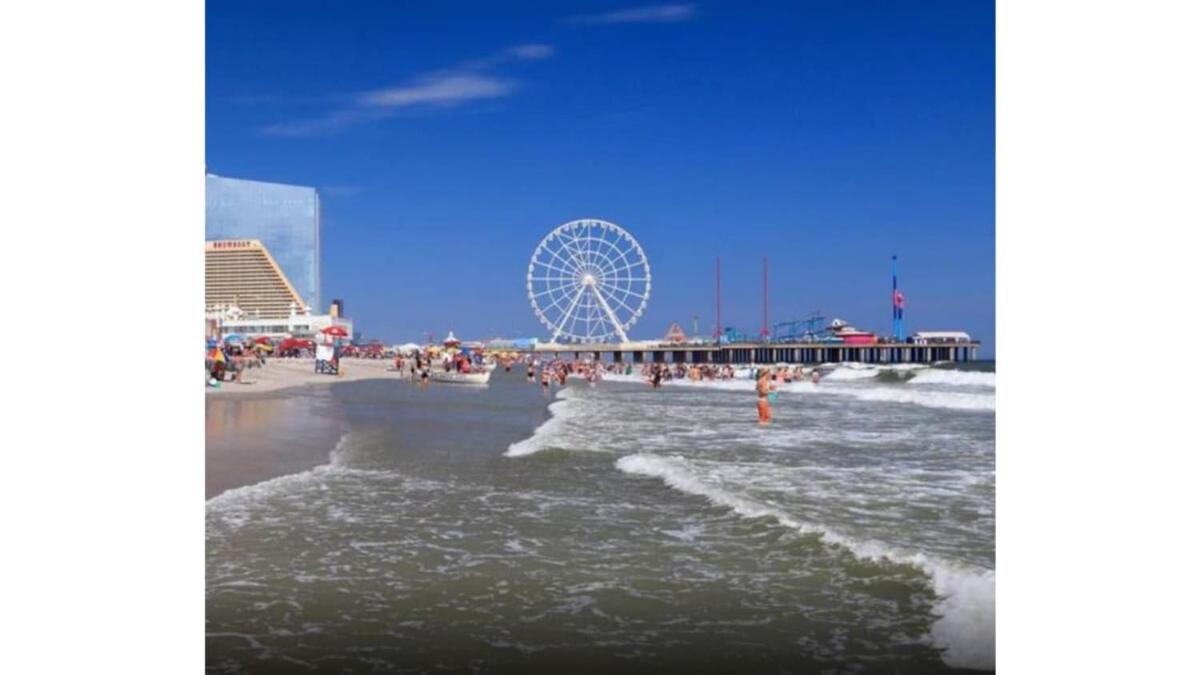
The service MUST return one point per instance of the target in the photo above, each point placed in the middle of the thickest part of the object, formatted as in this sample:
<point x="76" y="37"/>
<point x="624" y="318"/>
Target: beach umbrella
<point x="335" y="331"/>
<point x="234" y="337"/>
<point x="264" y="340"/>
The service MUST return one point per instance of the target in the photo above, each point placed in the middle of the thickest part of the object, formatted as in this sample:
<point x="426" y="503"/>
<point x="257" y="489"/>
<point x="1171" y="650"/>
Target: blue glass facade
<point x="285" y="218"/>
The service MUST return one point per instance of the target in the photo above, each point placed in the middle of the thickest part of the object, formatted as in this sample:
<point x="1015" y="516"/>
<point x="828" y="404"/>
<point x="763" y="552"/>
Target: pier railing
<point x="768" y="352"/>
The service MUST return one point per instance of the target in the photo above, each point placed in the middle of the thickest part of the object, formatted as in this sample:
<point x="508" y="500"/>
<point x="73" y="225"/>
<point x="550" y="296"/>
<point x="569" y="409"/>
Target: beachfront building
<point x="231" y="320"/>
<point x="286" y="219"/>
<point x="247" y="292"/>
<point x="242" y="273"/>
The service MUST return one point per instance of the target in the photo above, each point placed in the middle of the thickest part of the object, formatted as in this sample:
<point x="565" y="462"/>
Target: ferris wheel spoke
<point x="611" y="316"/>
<point x="637" y="298"/>
<point x="620" y="286"/>
<point x="566" y="268"/>
<point x="555" y="306"/>
<point x="546" y="292"/>
<point x="595" y="253"/>
<point x="610" y="253"/>
<point x="570" y="266"/>
<point x="575" y="250"/>
<point x="630" y="266"/>
<point x="567" y="314"/>
<point x="613" y="256"/>
<point x="621" y="302"/>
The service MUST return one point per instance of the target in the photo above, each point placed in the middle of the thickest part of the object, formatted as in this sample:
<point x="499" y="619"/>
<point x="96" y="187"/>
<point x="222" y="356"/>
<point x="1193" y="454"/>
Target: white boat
<point x="440" y="375"/>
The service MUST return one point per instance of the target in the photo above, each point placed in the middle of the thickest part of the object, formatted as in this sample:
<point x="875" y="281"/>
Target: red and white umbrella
<point x="335" y="331"/>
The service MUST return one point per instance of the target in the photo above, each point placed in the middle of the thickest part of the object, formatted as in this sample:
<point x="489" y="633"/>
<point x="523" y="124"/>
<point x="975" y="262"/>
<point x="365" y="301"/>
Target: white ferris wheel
<point x="588" y="281"/>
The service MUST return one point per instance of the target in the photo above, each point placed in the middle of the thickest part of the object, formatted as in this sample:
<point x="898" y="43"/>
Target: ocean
<point x="622" y="528"/>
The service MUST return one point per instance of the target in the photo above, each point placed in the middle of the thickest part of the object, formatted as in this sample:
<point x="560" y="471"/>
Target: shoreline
<point x="293" y="424"/>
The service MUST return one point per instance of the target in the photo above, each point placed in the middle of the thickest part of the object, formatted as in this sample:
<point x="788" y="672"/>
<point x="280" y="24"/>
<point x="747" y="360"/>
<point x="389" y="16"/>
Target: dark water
<point x="637" y="530"/>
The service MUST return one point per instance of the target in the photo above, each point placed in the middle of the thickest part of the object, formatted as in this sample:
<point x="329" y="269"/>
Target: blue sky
<point x="447" y="139"/>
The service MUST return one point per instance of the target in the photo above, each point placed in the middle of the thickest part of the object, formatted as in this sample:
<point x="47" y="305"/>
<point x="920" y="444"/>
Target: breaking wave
<point x="960" y="378"/>
<point x="560" y="412"/>
<point x="882" y="392"/>
<point x="966" y="597"/>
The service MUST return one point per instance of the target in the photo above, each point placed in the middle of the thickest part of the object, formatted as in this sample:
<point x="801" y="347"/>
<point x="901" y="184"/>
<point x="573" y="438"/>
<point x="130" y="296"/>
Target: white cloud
<point x="645" y="14"/>
<point x="466" y="82"/>
<point x="532" y="51"/>
<point x="439" y="90"/>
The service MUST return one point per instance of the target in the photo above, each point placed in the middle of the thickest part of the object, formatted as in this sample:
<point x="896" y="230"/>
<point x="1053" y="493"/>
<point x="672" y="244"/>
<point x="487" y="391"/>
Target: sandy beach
<point x="287" y="373"/>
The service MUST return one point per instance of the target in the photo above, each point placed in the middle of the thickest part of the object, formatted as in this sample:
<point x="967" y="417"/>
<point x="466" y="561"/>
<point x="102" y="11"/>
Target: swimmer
<point x="763" y="389"/>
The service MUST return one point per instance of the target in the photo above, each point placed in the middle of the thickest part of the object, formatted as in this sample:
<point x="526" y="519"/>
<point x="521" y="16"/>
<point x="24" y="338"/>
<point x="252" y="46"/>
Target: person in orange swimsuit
<point x="763" y="388"/>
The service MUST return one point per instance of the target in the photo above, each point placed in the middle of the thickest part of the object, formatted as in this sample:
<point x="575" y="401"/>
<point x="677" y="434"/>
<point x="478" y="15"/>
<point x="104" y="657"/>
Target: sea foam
<point x="847" y="387"/>
<point x="560" y="412"/>
<point x="960" y="378"/>
<point x="966" y="597"/>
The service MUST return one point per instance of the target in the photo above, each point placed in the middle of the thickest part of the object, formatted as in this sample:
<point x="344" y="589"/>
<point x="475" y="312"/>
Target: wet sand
<point x="295" y="422"/>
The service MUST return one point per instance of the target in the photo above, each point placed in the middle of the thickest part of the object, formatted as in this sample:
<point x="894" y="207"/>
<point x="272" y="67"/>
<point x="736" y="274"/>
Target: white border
<point x="1096" y="181"/>
<point x="1097" y="191"/>
<point x="103" y="502"/>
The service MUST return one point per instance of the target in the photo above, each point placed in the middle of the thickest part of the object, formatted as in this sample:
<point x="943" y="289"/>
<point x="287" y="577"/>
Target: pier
<point x="767" y="352"/>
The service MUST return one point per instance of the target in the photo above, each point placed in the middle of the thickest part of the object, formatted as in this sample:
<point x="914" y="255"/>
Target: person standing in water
<point x="763" y="388"/>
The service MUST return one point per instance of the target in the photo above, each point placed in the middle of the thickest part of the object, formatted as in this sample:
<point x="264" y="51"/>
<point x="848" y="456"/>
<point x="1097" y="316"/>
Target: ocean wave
<point x="849" y="372"/>
<point x="966" y="596"/>
<point x="960" y="378"/>
<point x="952" y="400"/>
<point x="560" y="412"/>
<point x="882" y="393"/>
<point x="233" y="507"/>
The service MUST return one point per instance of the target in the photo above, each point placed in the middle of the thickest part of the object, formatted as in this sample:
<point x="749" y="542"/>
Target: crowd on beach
<point x="767" y="379"/>
<point x="419" y="362"/>
<point x="227" y="362"/>
<point x="230" y="360"/>
<point x="557" y="371"/>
